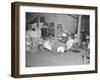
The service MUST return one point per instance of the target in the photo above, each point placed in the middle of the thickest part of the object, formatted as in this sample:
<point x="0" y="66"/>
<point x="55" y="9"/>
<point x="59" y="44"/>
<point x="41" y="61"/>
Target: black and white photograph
<point x="53" y="39"/>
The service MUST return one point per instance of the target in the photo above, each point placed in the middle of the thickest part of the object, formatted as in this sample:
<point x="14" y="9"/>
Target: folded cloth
<point x="61" y="49"/>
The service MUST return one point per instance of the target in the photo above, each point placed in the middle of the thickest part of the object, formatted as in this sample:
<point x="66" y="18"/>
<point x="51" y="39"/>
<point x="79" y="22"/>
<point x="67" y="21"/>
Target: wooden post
<point x="79" y="29"/>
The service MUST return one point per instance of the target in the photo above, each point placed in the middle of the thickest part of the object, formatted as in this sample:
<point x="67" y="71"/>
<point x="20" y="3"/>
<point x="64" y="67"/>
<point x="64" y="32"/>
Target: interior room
<point x="57" y="39"/>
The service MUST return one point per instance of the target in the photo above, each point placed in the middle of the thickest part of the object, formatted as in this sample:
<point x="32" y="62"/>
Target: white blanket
<point x="47" y="45"/>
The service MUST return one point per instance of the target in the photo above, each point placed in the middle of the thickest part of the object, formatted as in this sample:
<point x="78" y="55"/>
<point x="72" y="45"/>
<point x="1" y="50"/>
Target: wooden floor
<point x="45" y="57"/>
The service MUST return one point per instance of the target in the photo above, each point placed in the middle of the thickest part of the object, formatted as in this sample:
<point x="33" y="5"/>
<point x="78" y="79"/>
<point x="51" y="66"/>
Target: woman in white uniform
<point x="69" y="43"/>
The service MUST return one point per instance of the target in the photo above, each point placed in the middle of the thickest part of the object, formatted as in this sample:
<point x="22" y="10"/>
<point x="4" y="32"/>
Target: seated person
<point x="69" y="43"/>
<point x="76" y="41"/>
<point x="61" y="47"/>
<point x="64" y="37"/>
<point x="76" y="38"/>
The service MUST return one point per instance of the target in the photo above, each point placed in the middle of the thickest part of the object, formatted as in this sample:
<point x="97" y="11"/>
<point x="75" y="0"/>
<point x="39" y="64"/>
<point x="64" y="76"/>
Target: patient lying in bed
<point x="54" y="45"/>
<point x="58" y="46"/>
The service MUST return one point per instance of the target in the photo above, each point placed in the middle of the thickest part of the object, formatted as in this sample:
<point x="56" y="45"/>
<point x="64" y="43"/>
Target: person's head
<point x="64" y="35"/>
